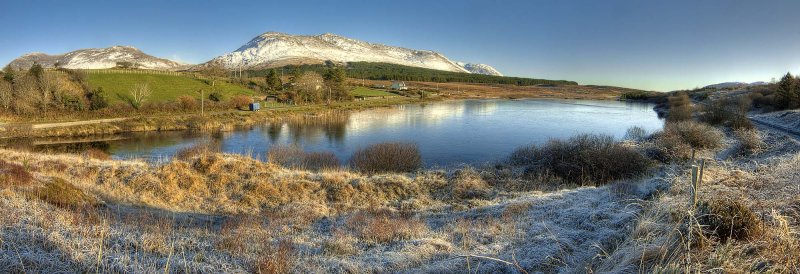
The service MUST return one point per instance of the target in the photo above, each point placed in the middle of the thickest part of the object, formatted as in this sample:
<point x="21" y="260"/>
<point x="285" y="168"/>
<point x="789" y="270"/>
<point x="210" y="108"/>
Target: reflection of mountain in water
<point x="332" y="126"/>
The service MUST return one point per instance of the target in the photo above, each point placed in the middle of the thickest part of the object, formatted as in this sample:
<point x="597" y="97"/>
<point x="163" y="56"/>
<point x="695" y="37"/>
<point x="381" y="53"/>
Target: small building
<point x="255" y="106"/>
<point x="399" y="85"/>
<point x="271" y="98"/>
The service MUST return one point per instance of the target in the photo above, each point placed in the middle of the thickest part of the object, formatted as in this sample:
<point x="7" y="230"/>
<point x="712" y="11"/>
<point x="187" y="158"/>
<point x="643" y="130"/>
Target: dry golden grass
<point x="60" y="193"/>
<point x="12" y="174"/>
<point x="383" y="226"/>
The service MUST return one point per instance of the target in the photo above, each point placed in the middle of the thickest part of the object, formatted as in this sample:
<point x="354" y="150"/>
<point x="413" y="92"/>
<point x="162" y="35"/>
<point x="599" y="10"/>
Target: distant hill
<point x="99" y="58"/>
<point x="734" y="85"/>
<point x="273" y="49"/>
<point x="386" y="71"/>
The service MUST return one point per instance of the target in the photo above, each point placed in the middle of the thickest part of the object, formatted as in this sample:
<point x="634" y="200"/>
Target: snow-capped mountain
<point x="735" y="85"/>
<point x="274" y="49"/>
<point x="99" y="58"/>
<point x="480" y="69"/>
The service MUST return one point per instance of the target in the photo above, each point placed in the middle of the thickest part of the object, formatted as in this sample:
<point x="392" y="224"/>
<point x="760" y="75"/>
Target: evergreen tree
<point x="336" y="80"/>
<point x="97" y="99"/>
<point x="36" y="70"/>
<point x="788" y="92"/>
<point x="274" y="82"/>
<point x="8" y="74"/>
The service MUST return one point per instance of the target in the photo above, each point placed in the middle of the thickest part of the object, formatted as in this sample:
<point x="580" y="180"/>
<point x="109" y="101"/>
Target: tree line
<point x="39" y="91"/>
<point x="386" y="71"/>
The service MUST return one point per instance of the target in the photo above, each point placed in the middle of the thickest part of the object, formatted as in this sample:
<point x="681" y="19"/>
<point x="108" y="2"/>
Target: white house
<point x="399" y="85"/>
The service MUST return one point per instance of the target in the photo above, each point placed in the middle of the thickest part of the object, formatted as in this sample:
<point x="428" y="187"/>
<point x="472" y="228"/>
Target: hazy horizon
<point x="654" y="46"/>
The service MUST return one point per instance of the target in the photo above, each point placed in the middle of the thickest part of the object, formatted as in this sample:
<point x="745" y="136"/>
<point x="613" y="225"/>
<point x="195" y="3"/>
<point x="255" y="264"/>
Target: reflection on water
<point x="447" y="133"/>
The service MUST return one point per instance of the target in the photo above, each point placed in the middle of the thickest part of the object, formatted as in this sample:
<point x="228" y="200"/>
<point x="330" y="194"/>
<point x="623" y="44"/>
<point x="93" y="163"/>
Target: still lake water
<point x="448" y="133"/>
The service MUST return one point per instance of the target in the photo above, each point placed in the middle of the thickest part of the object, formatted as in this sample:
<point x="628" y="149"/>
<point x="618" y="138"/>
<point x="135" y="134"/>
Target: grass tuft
<point x="726" y="219"/>
<point x="387" y="157"/>
<point x="12" y="174"/>
<point x="294" y="157"/>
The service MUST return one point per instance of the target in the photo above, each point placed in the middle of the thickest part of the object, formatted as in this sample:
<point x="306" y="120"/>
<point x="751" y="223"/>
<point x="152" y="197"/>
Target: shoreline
<point x="221" y="121"/>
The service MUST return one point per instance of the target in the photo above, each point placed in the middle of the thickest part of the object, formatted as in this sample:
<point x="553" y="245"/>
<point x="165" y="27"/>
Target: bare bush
<point x="241" y="102"/>
<point x="138" y="95"/>
<point x="584" y="158"/>
<point x="680" y="107"/>
<point x="187" y="102"/>
<point x="387" y="157"/>
<point x="635" y="133"/>
<point x="697" y="135"/>
<point x="728" y="112"/>
<point x="668" y="147"/>
<point x="750" y="141"/>
<point x="295" y="157"/>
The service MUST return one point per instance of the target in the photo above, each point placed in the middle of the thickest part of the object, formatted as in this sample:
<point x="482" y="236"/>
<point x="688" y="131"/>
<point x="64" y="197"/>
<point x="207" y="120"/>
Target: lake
<point x="448" y="133"/>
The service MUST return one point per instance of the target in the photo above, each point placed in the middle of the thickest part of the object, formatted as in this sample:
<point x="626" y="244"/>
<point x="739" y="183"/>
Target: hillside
<point x="387" y="71"/>
<point x="273" y="49"/>
<point x="164" y="87"/>
<point x="96" y="58"/>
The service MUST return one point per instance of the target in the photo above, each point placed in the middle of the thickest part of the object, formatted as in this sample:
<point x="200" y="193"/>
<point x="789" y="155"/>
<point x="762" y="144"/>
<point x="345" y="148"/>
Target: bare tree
<point x="6" y="94"/>
<point x="139" y="93"/>
<point x="48" y="85"/>
<point x="309" y="86"/>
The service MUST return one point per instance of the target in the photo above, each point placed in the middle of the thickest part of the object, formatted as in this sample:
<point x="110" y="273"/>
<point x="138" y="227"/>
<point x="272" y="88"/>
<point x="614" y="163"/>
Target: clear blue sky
<point x="657" y="45"/>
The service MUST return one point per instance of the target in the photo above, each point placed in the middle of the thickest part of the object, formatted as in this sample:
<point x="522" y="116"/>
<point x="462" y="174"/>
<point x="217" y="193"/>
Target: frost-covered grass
<point x="228" y="213"/>
<point x="761" y="199"/>
<point x="211" y="212"/>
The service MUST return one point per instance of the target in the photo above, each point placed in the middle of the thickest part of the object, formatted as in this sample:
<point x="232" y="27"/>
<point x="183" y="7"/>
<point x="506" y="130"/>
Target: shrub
<point x="241" y="102"/>
<point x="97" y="99"/>
<point x="697" y="135"/>
<point x="750" y="141"/>
<point x="727" y="219"/>
<point x="668" y="147"/>
<point x="635" y="133"/>
<point x="295" y="157"/>
<point x="387" y="157"/>
<point x="680" y="107"/>
<point x="216" y="96"/>
<point x="12" y="174"/>
<point x="728" y="112"/>
<point x="187" y="102"/>
<point x="584" y="158"/>
<point x="635" y="95"/>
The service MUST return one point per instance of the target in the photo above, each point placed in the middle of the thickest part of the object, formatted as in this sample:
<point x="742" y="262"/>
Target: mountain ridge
<point x="96" y="58"/>
<point x="272" y="49"/>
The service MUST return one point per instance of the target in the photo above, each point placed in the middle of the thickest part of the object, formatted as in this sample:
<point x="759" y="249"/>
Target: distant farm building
<point x="399" y="85"/>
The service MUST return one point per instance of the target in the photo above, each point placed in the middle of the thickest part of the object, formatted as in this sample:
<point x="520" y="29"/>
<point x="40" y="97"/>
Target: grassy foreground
<point x="206" y="211"/>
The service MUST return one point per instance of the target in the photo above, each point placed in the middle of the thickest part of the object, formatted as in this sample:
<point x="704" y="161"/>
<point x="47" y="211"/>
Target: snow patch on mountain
<point x="480" y="69"/>
<point x="273" y="49"/>
<point x="96" y="58"/>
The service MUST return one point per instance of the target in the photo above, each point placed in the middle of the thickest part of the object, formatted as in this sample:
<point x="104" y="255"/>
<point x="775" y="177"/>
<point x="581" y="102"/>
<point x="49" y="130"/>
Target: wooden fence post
<point x="694" y="185"/>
